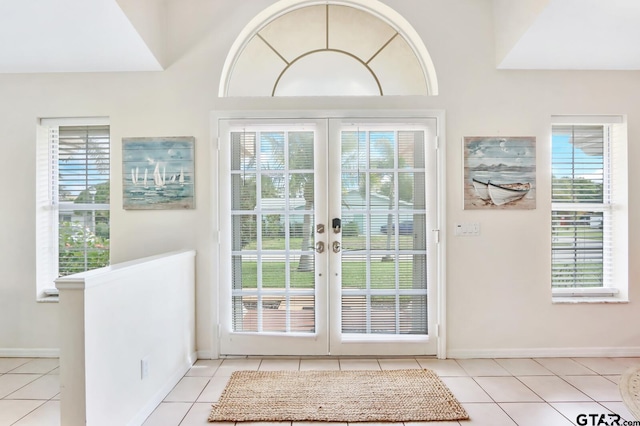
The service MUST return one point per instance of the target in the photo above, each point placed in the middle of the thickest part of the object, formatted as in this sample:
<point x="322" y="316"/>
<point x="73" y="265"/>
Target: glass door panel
<point x="327" y="237"/>
<point x="272" y="200"/>
<point x="380" y="287"/>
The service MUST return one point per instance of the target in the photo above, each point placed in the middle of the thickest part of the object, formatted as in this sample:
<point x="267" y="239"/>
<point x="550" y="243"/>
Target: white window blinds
<point x="581" y="206"/>
<point x="81" y="185"/>
<point x="72" y="198"/>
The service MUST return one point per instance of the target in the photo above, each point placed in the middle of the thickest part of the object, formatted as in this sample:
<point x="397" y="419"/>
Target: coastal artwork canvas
<point x="499" y="172"/>
<point x="158" y="173"/>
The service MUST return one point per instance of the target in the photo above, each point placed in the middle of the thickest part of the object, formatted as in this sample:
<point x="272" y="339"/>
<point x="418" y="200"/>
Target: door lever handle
<point x="319" y="247"/>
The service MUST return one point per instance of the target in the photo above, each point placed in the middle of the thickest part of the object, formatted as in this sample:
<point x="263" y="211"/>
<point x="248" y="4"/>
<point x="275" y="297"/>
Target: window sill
<point x="587" y="295"/>
<point x="48" y="295"/>
<point x="583" y="299"/>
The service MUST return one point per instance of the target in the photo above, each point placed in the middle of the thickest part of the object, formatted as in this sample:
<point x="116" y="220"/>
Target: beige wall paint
<point x="498" y="295"/>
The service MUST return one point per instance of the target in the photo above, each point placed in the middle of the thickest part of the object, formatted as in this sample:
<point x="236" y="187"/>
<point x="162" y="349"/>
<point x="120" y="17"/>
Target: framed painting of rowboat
<point x="158" y="173"/>
<point x="499" y="172"/>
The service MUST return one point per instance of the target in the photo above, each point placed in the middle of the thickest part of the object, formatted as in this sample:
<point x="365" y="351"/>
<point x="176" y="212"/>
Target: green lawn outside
<point x="353" y="275"/>
<point x="566" y="275"/>
<point x="378" y="242"/>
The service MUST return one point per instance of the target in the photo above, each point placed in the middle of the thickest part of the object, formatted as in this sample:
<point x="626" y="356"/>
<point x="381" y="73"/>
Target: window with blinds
<point x="72" y="198"/>
<point x="80" y="185"/>
<point x="581" y="207"/>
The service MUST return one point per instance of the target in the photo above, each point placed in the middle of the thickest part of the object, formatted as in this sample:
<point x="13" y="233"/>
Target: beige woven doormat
<point x="336" y="396"/>
<point x="629" y="386"/>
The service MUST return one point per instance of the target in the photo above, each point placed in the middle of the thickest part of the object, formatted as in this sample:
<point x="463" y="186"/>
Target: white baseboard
<point x="544" y="352"/>
<point x="159" y="396"/>
<point x="29" y="353"/>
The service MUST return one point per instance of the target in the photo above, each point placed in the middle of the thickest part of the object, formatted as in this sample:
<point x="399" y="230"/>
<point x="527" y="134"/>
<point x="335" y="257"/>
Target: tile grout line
<point x="185" y="414"/>
<point x="30" y="412"/>
<point x="549" y="402"/>
<point x="491" y="397"/>
<point x="6" y="397"/>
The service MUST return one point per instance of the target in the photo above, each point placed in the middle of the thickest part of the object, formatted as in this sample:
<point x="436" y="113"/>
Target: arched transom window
<point x="328" y="49"/>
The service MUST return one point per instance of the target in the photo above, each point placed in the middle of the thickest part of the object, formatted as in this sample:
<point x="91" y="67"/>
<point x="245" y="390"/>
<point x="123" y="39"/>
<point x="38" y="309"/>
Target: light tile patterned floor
<point x="495" y="392"/>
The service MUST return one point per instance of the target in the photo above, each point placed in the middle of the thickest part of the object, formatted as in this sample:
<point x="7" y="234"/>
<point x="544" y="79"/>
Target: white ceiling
<point x="578" y="34"/>
<point x="97" y="35"/>
<point x="70" y="36"/>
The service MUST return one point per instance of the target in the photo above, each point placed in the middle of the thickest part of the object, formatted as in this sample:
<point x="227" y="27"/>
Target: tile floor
<point x="495" y="392"/>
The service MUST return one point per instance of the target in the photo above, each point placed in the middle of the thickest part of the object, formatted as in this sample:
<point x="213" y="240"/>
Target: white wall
<point x="490" y="309"/>
<point x="114" y="318"/>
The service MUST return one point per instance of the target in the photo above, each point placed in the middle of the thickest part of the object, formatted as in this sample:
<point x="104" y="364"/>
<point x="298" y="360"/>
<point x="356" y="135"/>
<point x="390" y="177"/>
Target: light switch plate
<point x="469" y="229"/>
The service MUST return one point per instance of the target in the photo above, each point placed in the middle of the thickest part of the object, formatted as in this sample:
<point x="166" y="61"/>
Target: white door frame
<point x="439" y="115"/>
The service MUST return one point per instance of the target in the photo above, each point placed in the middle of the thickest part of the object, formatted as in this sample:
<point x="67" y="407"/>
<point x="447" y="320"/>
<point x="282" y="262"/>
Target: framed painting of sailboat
<point x="158" y="173"/>
<point x="500" y="172"/>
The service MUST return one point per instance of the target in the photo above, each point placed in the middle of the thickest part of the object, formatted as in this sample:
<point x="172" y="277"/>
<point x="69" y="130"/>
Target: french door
<point x="328" y="237"/>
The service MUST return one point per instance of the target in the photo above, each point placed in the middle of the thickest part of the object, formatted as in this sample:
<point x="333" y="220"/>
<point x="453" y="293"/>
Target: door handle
<point x="336" y="246"/>
<point x="319" y="247"/>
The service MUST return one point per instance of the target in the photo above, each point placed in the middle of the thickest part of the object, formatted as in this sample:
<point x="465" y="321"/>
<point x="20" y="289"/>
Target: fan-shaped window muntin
<point x="266" y="60"/>
<point x="318" y="85"/>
